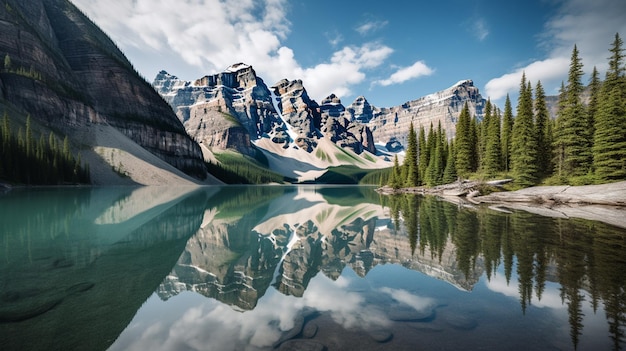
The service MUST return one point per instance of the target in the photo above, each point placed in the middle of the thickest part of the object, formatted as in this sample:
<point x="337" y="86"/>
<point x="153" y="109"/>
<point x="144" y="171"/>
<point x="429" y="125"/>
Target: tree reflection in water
<point x="582" y="256"/>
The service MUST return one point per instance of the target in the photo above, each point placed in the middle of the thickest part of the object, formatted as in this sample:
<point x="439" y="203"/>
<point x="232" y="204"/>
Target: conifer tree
<point x="394" y="178"/>
<point x="609" y="149"/>
<point x="542" y="132"/>
<point x="592" y="107"/>
<point x="474" y="144"/>
<point x="573" y="135"/>
<point x="449" y="173"/>
<point x="411" y="159"/>
<point x="434" y="174"/>
<point x="507" y="129"/>
<point x="462" y="143"/>
<point x="424" y="153"/>
<point x="484" y="131"/>
<point x="523" y="141"/>
<point x="492" y="163"/>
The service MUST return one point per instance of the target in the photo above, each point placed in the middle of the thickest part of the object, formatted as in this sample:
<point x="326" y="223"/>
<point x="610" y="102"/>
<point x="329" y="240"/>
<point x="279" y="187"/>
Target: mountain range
<point x="66" y="74"/>
<point x="300" y="137"/>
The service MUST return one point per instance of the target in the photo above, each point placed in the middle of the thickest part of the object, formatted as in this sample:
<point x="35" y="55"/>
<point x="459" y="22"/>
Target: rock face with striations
<point x="224" y="110"/>
<point x="228" y="110"/>
<point x="392" y="124"/>
<point x="66" y="73"/>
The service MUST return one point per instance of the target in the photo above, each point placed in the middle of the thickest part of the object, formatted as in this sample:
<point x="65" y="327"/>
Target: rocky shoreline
<point x="603" y="202"/>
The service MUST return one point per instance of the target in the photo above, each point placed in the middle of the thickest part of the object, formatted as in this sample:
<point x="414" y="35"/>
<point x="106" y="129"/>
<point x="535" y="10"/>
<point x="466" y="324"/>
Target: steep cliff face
<point x="236" y="110"/>
<point x="389" y="124"/>
<point x="224" y="110"/>
<point x="68" y="75"/>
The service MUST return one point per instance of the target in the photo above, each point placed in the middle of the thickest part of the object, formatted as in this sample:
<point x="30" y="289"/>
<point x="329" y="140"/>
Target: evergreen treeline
<point x="585" y="144"/>
<point x="243" y="172"/>
<point x="45" y="161"/>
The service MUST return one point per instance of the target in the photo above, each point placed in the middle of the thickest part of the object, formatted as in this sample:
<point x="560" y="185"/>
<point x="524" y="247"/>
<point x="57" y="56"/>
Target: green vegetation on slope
<point x="45" y="161"/>
<point x="234" y="168"/>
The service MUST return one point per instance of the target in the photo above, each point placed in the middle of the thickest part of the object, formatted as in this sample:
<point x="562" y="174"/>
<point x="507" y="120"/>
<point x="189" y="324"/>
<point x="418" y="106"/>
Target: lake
<point x="300" y="268"/>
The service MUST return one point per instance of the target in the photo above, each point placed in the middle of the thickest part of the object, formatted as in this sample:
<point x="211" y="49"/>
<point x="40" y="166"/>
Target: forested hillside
<point x="584" y="144"/>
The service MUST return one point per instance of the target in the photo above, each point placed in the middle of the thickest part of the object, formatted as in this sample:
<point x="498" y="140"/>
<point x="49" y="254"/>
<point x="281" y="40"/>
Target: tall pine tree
<point x="411" y="159"/>
<point x="507" y="129"/>
<point x="493" y="157"/>
<point x="609" y="149"/>
<point x="484" y="130"/>
<point x="449" y="173"/>
<point x="543" y="133"/>
<point x="424" y="153"/>
<point x="573" y="136"/>
<point x="463" y="143"/>
<point x="523" y="139"/>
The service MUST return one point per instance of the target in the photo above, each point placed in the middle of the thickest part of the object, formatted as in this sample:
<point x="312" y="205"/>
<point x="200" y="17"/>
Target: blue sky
<point x="389" y="51"/>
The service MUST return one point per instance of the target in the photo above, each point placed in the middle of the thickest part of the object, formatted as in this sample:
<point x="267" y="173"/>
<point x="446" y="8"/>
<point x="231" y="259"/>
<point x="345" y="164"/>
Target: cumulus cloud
<point x="545" y="70"/>
<point x="370" y="27"/>
<point x="403" y="74"/>
<point x="591" y="25"/>
<point x="210" y="35"/>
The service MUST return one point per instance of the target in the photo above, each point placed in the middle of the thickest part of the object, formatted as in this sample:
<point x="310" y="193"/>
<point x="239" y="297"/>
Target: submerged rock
<point x="381" y="335"/>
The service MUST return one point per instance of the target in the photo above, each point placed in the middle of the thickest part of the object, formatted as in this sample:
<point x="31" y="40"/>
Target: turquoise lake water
<point x="300" y="267"/>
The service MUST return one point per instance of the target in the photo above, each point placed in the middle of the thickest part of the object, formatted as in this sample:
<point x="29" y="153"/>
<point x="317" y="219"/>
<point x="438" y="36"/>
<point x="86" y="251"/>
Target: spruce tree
<point x="523" y="140"/>
<point x="434" y="174"/>
<point x="474" y="144"/>
<point x="592" y="107"/>
<point x="507" y="129"/>
<point x="411" y="159"/>
<point x="543" y="133"/>
<point x="609" y="149"/>
<point x="462" y="143"/>
<point x="484" y="132"/>
<point x="573" y="133"/>
<point x="492" y="163"/>
<point x="449" y="173"/>
<point x="424" y="153"/>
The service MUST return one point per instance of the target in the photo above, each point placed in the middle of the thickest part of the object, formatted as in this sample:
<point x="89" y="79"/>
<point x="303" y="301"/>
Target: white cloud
<point x="550" y="297"/>
<point x="210" y="35"/>
<point x="346" y="68"/>
<point x="591" y="25"/>
<point x="418" y="303"/>
<point x="416" y="70"/>
<point x="546" y="70"/>
<point x="370" y="27"/>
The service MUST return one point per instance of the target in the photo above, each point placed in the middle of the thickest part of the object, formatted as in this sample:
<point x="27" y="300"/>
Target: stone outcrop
<point x="341" y="130"/>
<point x="224" y="110"/>
<point x="67" y="74"/>
<point x="232" y="109"/>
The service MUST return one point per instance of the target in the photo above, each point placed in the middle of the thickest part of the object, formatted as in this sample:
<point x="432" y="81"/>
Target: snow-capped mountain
<point x="300" y="137"/>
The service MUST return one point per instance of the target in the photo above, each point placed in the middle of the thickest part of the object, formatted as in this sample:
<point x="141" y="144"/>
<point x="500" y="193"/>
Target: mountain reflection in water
<point x="280" y="267"/>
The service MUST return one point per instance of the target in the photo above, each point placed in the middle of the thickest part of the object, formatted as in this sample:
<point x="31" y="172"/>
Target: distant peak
<point x="464" y="82"/>
<point x="164" y="74"/>
<point x="237" y="67"/>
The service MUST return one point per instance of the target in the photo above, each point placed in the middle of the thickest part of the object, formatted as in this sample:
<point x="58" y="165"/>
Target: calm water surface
<point x="292" y="268"/>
